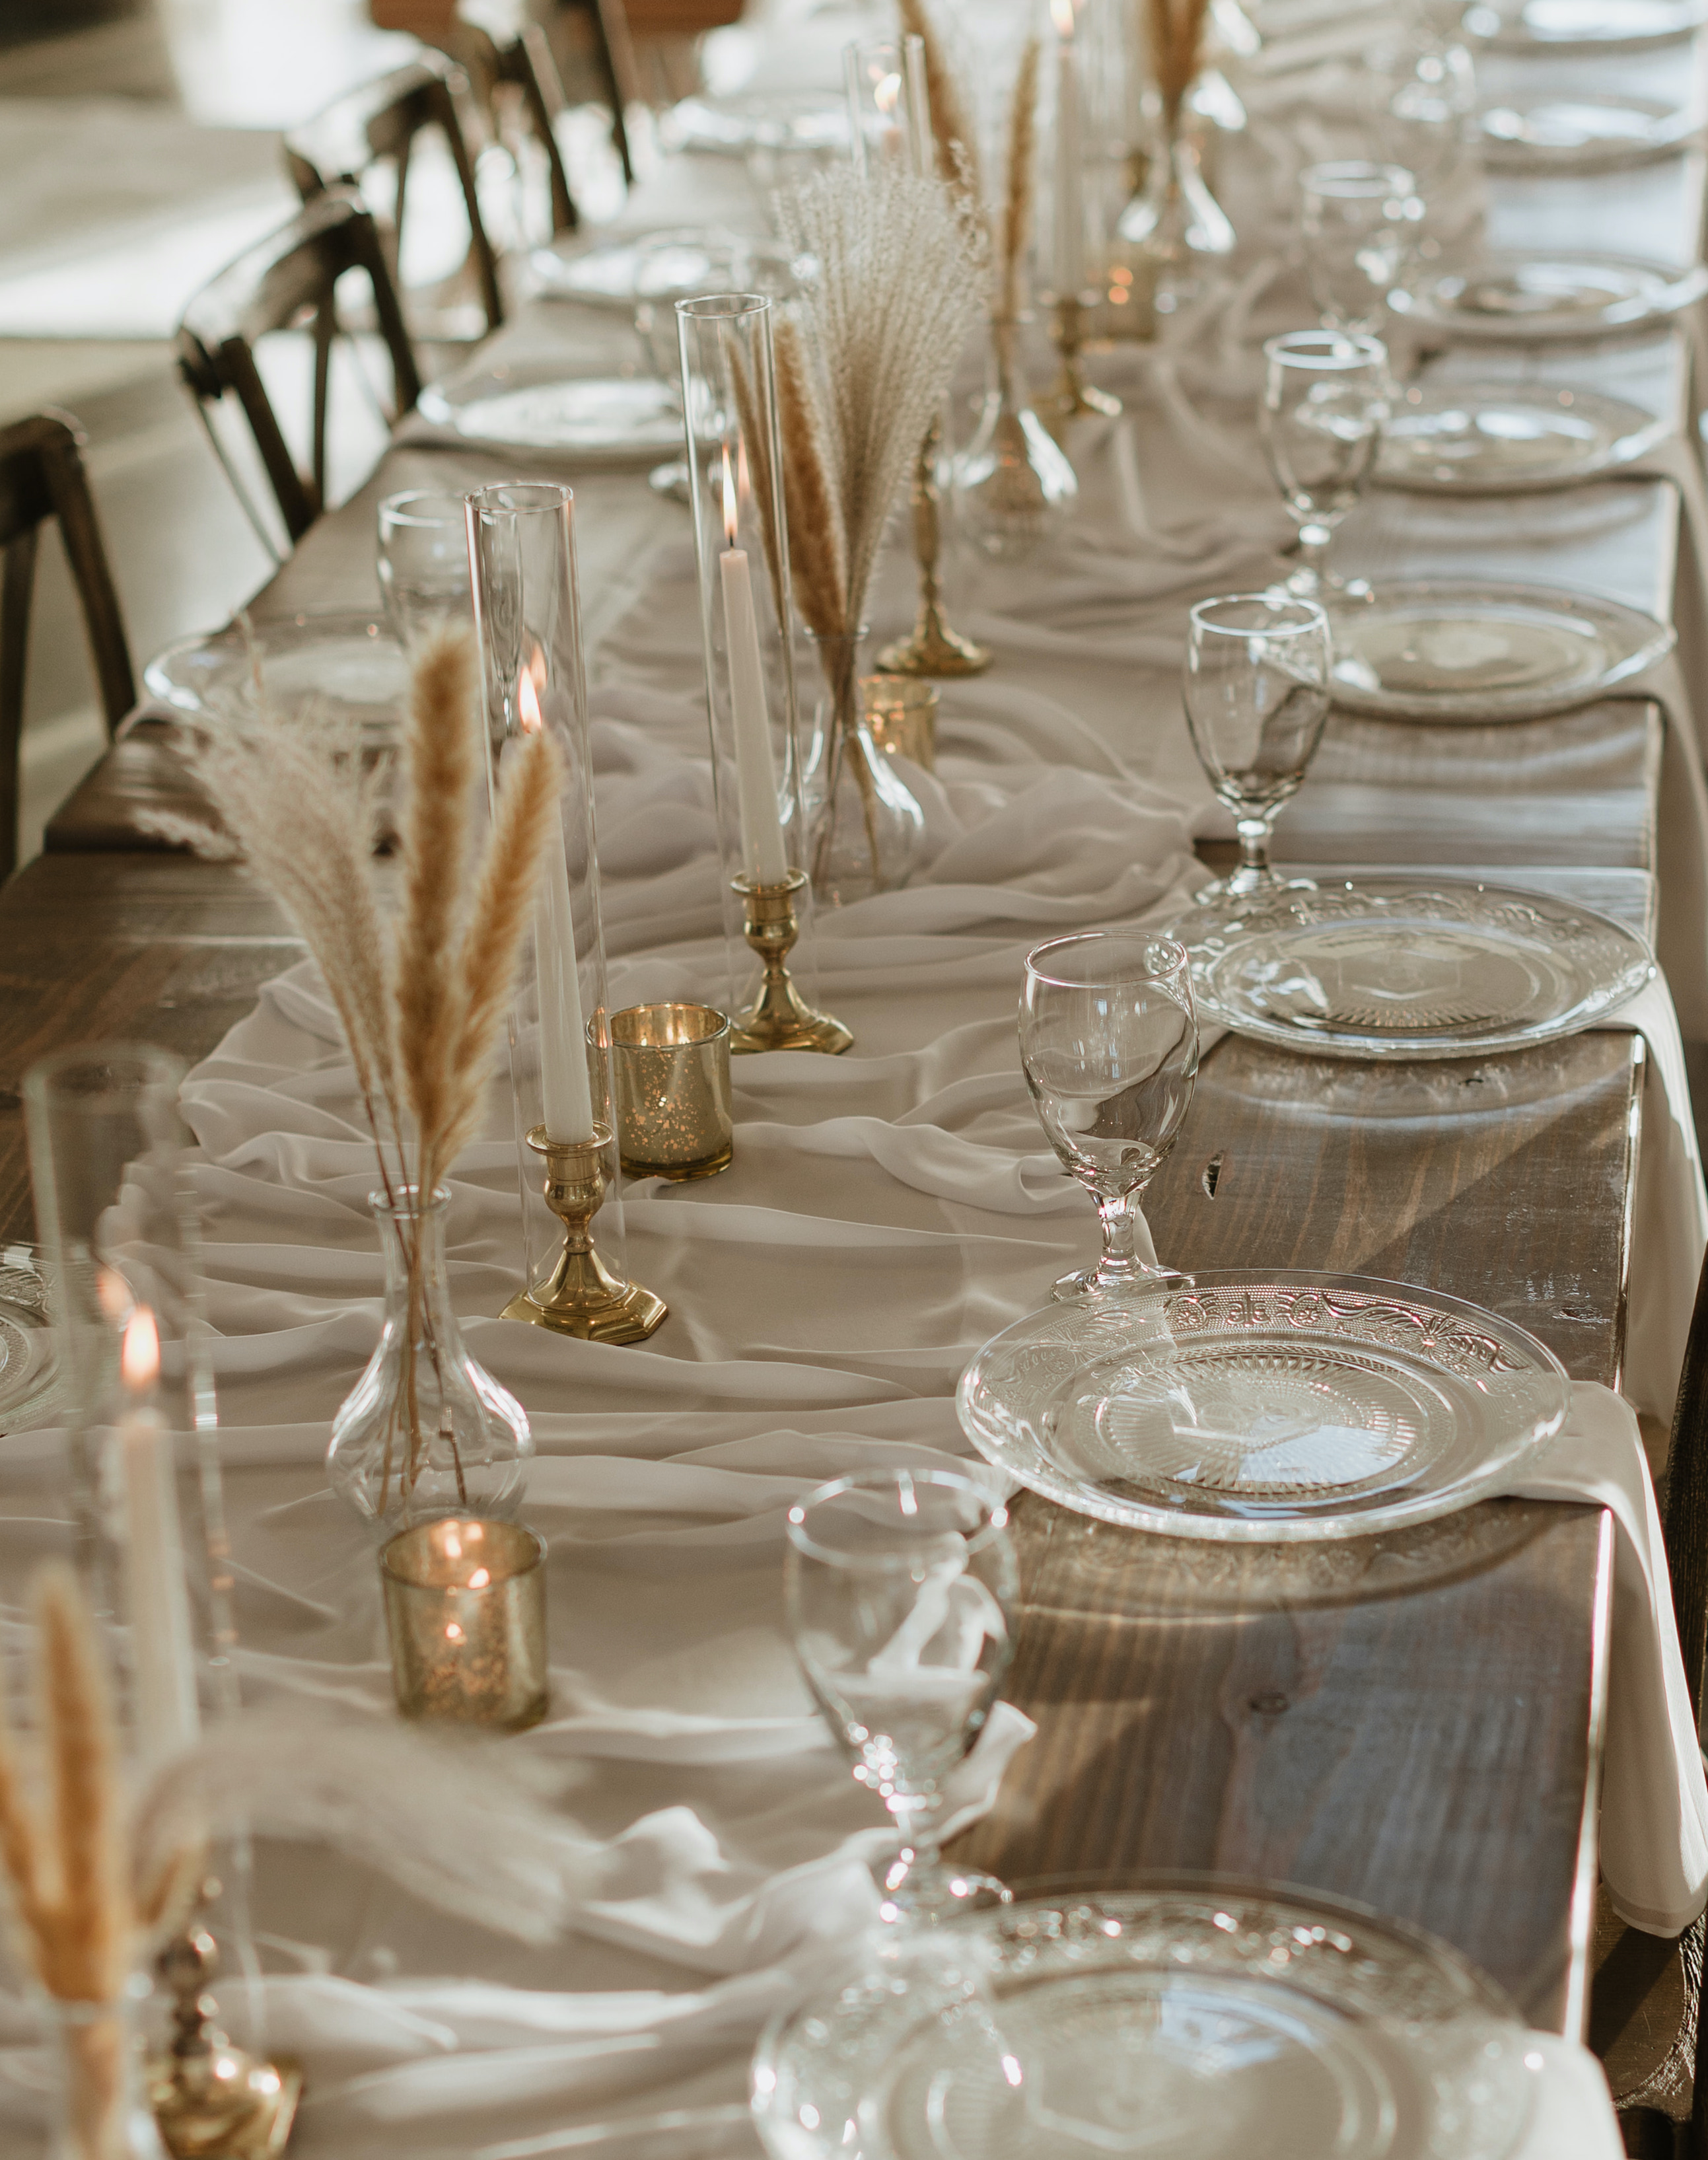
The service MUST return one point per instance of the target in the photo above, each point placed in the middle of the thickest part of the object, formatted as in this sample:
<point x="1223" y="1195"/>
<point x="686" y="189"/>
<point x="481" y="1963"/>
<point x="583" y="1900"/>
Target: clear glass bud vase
<point x="864" y="826"/>
<point x="98" y="2110"/>
<point x="426" y="1431"/>
<point x="1015" y="481"/>
<point x="1174" y="229"/>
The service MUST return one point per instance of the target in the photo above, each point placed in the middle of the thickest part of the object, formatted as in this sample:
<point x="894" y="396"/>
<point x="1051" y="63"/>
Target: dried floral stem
<point x="1174" y="29"/>
<point x="1017" y="202"/>
<point x="952" y="132"/>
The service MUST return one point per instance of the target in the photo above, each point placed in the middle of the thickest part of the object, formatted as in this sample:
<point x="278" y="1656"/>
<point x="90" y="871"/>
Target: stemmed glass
<point x="423" y="562"/>
<point x="1257" y="695"/>
<point x="1360" y="223"/>
<point x="1109" y="1042"/>
<point x="1324" y="407"/>
<point x="901" y="1587"/>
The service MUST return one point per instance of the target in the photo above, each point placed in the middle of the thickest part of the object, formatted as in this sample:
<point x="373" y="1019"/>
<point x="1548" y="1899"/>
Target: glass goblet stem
<point x="1255" y="828"/>
<point x="1120" y="1266"/>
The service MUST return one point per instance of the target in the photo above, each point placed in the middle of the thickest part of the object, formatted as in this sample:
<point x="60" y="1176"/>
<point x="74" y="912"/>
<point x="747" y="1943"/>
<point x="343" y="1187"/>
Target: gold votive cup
<point x="466" y="1611"/>
<point x="673" y="1084"/>
<point x="902" y="711"/>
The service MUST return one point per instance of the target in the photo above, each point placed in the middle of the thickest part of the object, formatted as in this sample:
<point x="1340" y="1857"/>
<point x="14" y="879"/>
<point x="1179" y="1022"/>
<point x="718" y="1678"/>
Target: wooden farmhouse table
<point x="1410" y="1721"/>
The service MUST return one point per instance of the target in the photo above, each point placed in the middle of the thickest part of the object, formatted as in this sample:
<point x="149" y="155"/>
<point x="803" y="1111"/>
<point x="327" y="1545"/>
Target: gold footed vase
<point x="932" y="647"/>
<point x="581" y="1296"/>
<point x="780" y="1018"/>
<point x="1072" y="398"/>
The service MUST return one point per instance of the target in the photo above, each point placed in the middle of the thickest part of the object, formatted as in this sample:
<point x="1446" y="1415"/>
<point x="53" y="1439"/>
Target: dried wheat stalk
<point x="952" y="132"/>
<point x="1175" y="31"/>
<point x="1017" y="201"/>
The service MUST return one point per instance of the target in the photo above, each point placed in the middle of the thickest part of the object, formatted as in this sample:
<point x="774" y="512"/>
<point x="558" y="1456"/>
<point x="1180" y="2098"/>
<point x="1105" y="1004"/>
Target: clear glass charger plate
<point x="1203" y="2019"/>
<point x="1507" y="438"/>
<point x="606" y="276"/>
<point x="30" y="1389"/>
<point x="1270" y="1407"/>
<point x="350" y="666"/>
<point x="1560" y="133"/>
<point x="1588" y="26"/>
<point x="731" y="126"/>
<point x="1529" y="298"/>
<point x="606" y="418"/>
<point x="1471" y="653"/>
<point x="1401" y="968"/>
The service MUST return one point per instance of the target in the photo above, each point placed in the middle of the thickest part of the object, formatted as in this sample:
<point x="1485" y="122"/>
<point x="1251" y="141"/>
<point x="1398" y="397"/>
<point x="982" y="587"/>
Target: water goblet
<point x="423" y="562"/>
<point x="901" y="1587"/>
<point x="1257" y="694"/>
<point x="1360" y="223"/>
<point x="1109" y="1043"/>
<point x="1324" y="404"/>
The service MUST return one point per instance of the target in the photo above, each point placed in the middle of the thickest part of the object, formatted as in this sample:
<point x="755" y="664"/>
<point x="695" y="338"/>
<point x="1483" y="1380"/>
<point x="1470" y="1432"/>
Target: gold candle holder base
<point x="210" y="2100"/>
<point x="1073" y="398"/>
<point x="933" y="648"/>
<point x="581" y="1296"/>
<point x="779" y="1018"/>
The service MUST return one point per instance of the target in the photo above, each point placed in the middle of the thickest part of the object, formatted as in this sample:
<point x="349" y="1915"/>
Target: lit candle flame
<point x="139" y="1355"/>
<point x="528" y="716"/>
<point x="732" y="509"/>
<point x="886" y="94"/>
<point x="1062" y="15"/>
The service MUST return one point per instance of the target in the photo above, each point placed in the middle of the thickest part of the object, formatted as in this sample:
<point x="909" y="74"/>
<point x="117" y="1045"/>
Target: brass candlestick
<point x="207" y="2097"/>
<point x="932" y="647"/>
<point x="779" y="1018"/>
<point x="1073" y="398"/>
<point x="581" y="1296"/>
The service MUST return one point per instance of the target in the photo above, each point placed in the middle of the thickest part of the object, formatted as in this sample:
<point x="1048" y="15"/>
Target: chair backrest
<point x="280" y="282"/>
<point x="500" y="47"/>
<point x="42" y="477"/>
<point x="380" y="122"/>
<point x="1685" y="1521"/>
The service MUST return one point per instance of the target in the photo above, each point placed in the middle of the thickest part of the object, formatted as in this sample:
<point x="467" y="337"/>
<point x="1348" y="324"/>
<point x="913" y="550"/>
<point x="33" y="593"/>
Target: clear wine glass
<point x="1324" y="407"/>
<point x="1361" y="224"/>
<point x="901" y="1587"/>
<point x="423" y="561"/>
<point x="1109" y="1042"/>
<point x="1257" y="694"/>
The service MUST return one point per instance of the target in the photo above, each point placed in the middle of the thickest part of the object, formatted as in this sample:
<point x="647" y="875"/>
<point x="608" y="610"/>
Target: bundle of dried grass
<point x="952" y="134"/>
<point x="420" y="1001"/>
<point x="1175" y="32"/>
<point x="864" y="361"/>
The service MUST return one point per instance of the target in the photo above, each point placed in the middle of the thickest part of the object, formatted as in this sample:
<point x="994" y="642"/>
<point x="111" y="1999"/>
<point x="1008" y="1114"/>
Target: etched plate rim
<point x="1196" y="926"/>
<point x="1621" y="450"/>
<point x="1058" y="1931"/>
<point x="276" y="635"/>
<point x="1512" y="37"/>
<point x="1644" y="638"/>
<point x="1016" y="1446"/>
<point x="21" y="1267"/>
<point x="1679" y="284"/>
<point x="1607" y="153"/>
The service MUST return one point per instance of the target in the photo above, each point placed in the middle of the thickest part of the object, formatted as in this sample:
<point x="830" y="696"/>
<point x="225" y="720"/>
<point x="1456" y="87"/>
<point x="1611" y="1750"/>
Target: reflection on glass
<point x="1324" y="404"/>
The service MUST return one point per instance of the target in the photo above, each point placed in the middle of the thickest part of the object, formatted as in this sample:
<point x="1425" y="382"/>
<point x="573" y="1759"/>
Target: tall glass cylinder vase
<point x="866" y="824"/>
<point x="100" y="2112"/>
<point x="735" y="456"/>
<point x="1173" y="231"/>
<point x="1016" y="483"/>
<point x="118" y="1228"/>
<point x="522" y="552"/>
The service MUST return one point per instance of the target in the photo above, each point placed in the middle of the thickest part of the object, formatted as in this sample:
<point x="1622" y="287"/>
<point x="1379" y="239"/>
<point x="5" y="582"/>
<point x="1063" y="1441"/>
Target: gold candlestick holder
<point x="207" y="2096"/>
<point x="1073" y="398"/>
<point x="779" y="1018"/>
<point x="931" y="648"/>
<point x="581" y="1296"/>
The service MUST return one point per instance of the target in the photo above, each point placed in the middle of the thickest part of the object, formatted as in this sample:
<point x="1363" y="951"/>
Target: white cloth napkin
<point x="1655" y="1803"/>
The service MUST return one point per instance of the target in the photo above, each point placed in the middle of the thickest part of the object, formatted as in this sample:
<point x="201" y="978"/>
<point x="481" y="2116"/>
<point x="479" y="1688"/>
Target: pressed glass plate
<point x="1507" y="438"/>
<point x="1204" y="2020"/>
<point x="1268" y="1407"/>
<point x="731" y="126"/>
<point x="1397" y="967"/>
<point x="1591" y="26"/>
<point x="1525" y="298"/>
<point x="600" y="277"/>
<point x="1585" y="134"/>
<point x="1475" y="651"/>
<point x="609" y="419"/>
<point x="350" y="666"/>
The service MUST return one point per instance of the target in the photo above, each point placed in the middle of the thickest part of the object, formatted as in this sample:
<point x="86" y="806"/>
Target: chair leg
<point x="17" y="584"/>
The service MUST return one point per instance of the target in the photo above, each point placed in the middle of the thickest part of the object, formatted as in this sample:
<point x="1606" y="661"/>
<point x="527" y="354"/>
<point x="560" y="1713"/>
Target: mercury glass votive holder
<point x="466" y="1611"/>
<point x="673" y="1086"/>
<point x="901" y="714"/>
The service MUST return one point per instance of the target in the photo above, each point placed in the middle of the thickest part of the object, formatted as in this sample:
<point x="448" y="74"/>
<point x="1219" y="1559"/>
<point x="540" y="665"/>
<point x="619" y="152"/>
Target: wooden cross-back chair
<point x="42" y="477"/>
<point x="378" y="123"/>
<point x="500" y="51"/>
<point x="285" y="281"/>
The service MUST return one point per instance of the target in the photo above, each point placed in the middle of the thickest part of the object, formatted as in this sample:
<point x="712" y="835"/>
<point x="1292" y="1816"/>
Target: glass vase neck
<point x="100" y="2113"/>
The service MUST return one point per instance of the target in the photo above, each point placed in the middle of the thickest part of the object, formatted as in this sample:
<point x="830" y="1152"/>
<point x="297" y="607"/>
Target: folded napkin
<point x="1654" y="1801"/>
